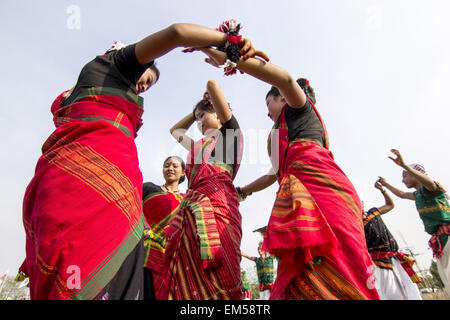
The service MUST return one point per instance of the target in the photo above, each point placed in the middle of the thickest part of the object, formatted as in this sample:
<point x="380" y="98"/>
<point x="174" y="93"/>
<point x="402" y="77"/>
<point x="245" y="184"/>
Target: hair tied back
<point x="303" y="82"/>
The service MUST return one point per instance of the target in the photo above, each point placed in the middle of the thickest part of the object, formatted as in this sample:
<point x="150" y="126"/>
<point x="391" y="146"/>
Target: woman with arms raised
<point x="203" y="252"/>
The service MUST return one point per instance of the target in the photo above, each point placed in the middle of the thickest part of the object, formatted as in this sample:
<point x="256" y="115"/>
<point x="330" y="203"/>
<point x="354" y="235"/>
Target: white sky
<point x="379" y="68"/>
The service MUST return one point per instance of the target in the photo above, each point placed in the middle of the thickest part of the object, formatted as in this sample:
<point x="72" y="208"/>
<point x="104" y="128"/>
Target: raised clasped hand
<point x="249" y="51"/>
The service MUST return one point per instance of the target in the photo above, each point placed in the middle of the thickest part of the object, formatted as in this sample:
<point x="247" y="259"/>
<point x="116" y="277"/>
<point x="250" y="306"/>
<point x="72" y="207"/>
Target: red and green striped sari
<point x="202" y="259"/>
<point x="315" y="228"/>
<point x="159" y="209"/>
<point x="82" y="210"/>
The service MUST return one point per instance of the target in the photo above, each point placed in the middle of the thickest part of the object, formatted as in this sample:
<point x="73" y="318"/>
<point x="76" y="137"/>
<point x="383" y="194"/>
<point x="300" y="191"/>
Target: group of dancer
<point x="94" y="230"/>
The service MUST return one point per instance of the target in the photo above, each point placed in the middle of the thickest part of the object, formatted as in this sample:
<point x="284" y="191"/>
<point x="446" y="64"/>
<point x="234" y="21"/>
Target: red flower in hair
<point x="306" y="81"/>
<point x="206" y="99"/>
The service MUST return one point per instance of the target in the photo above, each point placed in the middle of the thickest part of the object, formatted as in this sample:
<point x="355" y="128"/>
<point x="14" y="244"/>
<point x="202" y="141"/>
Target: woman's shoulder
<point x="231" y="124"/>
<point x="291" y="112"/>
<point x="149" y="188"/>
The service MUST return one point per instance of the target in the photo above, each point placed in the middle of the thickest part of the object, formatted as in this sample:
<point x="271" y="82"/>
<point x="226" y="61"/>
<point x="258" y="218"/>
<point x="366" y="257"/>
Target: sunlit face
<point x="172" y="170"/>
<point x="147" y="80"/>
<point x="274" y="106"/>
<point x="206" y="120"/>
<point x="408" y="179"/>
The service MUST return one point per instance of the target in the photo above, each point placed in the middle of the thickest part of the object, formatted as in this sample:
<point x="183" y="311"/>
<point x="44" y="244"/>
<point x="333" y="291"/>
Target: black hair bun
<point x="303" y="82"/>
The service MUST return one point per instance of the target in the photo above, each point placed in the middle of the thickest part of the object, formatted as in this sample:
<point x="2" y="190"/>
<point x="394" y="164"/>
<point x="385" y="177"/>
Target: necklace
<point x="167" y="190"/>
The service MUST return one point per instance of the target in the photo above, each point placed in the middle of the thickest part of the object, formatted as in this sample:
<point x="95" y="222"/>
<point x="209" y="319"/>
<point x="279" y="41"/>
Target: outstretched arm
<point x="259" y="184"/>
<point x="399" y="193"/>
<point x="248" y="257"/>
<point x="266" y="72"/>
<point x="178" y="131"/>
<point x="176" y="35"/>
<point x="425" y="180"/>
<point x="183" y="35"/>
<point x="389" y="203"/>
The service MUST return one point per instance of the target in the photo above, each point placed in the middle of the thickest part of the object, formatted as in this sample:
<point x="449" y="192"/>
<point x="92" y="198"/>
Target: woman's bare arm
<point x="176" y="35"/>
<point x="389" y="203"/>
<point x="186" y="35"/>
<point x="425" y="180"/>
<point x="399" y="193"/>
<point x="259" y="184"/>
<point x="267" y="72"/>
<point x="218" y="101"/>
<point x="178" y="131"/>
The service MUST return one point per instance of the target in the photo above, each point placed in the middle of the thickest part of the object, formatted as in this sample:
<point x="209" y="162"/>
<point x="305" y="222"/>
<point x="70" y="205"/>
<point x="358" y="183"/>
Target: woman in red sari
<point x="202" y="259"/>
<point x="82" y="210"/>
<point x="315" y="227"/>
<point x="160" y="203"/>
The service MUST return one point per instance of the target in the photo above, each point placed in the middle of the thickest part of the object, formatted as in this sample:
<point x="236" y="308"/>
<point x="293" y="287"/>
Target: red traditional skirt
<point x="202" y="259"/>
<point x="316" y="227"/>
<point x="316" y="230"/>
<point x="82" y="210"/>
<point x="159" y="210"/>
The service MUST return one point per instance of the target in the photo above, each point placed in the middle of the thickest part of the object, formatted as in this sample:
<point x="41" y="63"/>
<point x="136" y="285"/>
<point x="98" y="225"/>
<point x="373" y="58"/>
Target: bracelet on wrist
<point x="240" y="192"/>
<point x="231" y="46"/>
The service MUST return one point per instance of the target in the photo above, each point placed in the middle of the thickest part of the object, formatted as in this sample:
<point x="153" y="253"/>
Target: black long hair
<point x="303" y="83"/>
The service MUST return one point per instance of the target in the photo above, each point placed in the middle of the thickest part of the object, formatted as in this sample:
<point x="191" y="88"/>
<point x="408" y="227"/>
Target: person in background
<point x="265" y="271"/>
<point x="160" y="204"/>
<point x="432" y="204"/>
<point x="246" y="292"/>
<point x="392" y="281"/>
